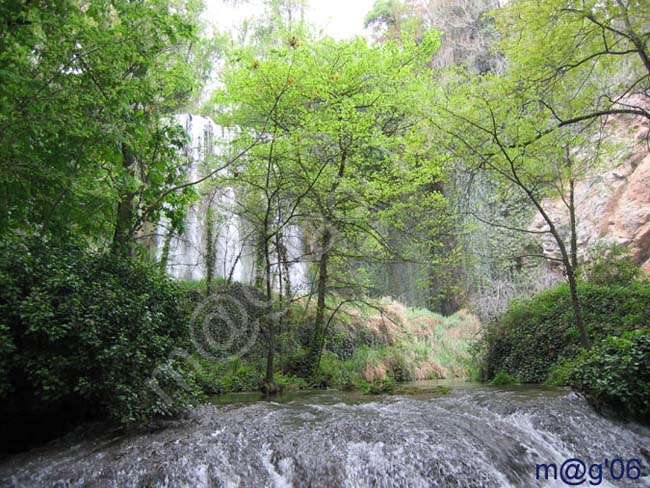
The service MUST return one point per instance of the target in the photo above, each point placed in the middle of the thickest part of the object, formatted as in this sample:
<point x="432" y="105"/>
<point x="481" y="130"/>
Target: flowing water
<point x="474" y="436"/>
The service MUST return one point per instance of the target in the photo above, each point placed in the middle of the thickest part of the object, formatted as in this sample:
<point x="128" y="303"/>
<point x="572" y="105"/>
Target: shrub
<point x="229" y="322"/>
<point x="331" y="371"/>
<point x="560" y="372"/>
<point x="502" y="379"/>
<point x="610" y="264"/>
<point x="216" y="377"/>
<point x="537" y="332"/>
<point x="616" y="374"/>
<point x="83" y="332"/>
<point x="297" y="363"/>
<point x="291" y="383"/>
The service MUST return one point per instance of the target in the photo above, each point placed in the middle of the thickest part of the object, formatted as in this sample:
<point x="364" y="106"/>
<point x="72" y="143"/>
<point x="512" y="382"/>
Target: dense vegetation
<point x="384" y="342"/>
<point x="536" y="332"/>
<point x="534" y="342"/>
<point x="82" y="335"/>
<point x="615" y="374"/>
<point x="406" y="165"/>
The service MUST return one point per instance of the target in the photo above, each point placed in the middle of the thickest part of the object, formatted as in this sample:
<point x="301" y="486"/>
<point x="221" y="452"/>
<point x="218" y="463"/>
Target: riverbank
<point x="369" y="346"/>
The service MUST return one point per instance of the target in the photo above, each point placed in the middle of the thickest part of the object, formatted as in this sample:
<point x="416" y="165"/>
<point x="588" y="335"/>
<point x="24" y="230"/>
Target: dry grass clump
<point x="396" y="312"/>
<point x="414" y="344"/>
<point x="384" y="330"/>
<point x="430" y="370"/>
<point x="375" y="372"/>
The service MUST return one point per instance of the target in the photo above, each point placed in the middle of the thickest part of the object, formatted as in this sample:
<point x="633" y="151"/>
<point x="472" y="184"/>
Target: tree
<point x="88" y="142"/>
<point x="581" y="59"/>
<point x="467" y="31"/>
<point x="536" y="127"/>
<point x="337" y="124"/>
<point x="390" y="19"/>
<point x="492" y="126"/>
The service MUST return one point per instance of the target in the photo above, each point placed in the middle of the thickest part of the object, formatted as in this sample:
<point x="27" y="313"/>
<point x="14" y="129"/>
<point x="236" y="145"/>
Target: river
<point x="474" y="436"/>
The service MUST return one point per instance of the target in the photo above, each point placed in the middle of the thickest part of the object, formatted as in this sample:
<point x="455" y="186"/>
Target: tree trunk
<point x="567" y="260"/>
<point x="270" y="384"/>
<point x="123" y="236"/>
<point x="260" y="258"/>
<point x="572" y="269"/>
<point x="283" y="280"/>
<point x="318" y="337"/>
<point x="164" y="255"/>
<point x="577" y="309"/>
<point x="572" y="222"/>
<point x="283" y="266"/>
<point x="573" y="285"/>
<point x="210" y="251"/>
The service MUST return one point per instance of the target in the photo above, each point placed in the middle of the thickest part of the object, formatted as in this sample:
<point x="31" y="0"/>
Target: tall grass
<point x="408" y="343"/>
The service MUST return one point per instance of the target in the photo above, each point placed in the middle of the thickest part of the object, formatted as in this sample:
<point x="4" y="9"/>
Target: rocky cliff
<point x="614" y="205"/>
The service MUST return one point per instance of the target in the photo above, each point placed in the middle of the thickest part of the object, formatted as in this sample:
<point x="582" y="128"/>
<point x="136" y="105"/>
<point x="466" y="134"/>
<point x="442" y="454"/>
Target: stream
<point x="474" y="436"/>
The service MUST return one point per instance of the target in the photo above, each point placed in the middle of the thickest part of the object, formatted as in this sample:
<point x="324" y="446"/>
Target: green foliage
<point x="560" y="372"/>
<point x="356" y="356"/>
<point x="229" y="322"/>
<point x="616" y="374"/>
<point x="85" y="331"/>
<point x="226" y="376"/>
<point x="347" y="141"/>
<point x="291" y="383"/>
<point x="384" y="12"/>
<point x="533" y="127"/>
<point x="7" y="350"/>
<point x="502" y="379"/>
<point x="327" y="127"/>
<point x="535" y="333"/>
<point x="562" y="50"/>
<point x="610" y="265"/>
<point x="85" y="105"/>
<point x="331" y="372"/>
<point x="381" y="387"/>
<point x="396" y="20"/>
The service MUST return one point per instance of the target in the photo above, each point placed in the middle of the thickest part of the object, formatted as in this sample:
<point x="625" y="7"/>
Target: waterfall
<point x="216" y="212"/>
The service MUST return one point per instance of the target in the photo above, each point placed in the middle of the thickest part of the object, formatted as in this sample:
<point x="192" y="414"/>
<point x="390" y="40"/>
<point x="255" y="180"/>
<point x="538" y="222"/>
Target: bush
<point x="297" y="363"/>
<point x="291" y="383"/>
<point x="537" y="332"/>
<point x="502" y="379"/>
<point x="610" y="264"/>
<point x="560" y="373"/>
<point x="229" y="323"/>
<point x="616" y="374"/>
<point x="226" y="377"/>
<point x="82" y="333"/>
<point x="331" y="371"/>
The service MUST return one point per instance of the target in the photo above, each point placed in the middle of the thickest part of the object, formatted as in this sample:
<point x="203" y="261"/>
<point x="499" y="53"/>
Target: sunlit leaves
<point x="80" y="81"/>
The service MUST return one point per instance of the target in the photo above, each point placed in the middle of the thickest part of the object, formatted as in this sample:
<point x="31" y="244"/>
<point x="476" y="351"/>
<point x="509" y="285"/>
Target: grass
<point x="407" y="344"/>
<point x="370" y="346"/>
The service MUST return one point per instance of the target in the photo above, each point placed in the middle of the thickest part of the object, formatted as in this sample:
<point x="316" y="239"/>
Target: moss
<point x="502" y="379"/>
<point x="415" y="390"/>
<point x="381" y="387"/>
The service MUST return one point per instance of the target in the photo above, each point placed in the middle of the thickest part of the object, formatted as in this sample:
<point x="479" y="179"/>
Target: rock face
<point x="614" y="205"/>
